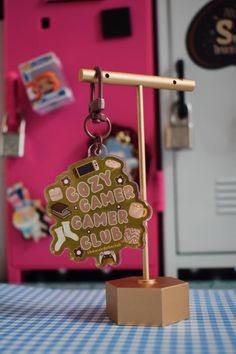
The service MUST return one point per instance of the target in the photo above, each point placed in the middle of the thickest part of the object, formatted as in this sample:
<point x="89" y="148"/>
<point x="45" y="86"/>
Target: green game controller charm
<point x="97" y="210"/>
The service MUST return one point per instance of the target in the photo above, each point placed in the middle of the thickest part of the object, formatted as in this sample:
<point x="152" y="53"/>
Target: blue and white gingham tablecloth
<point x="42" y="320"/>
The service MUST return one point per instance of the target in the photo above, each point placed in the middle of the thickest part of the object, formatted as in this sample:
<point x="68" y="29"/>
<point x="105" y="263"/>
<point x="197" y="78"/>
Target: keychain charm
<point x="98" y="211"/>
<point x="95" y="203"/>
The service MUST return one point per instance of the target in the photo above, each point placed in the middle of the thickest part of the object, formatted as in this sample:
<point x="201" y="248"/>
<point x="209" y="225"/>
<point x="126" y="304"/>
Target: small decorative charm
<point x="29" y="216"/>
<point x="45" y="84"/>
<point x="123" y="142"/>
<point x="95" y="203"/>
<point x="97" y="216"/>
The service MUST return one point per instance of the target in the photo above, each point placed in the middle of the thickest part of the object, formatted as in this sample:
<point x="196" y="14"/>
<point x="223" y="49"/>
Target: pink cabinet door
<point x="56" y="140"/>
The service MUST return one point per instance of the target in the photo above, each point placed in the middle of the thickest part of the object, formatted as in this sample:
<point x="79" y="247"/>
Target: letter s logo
<point x="223" y="28"/>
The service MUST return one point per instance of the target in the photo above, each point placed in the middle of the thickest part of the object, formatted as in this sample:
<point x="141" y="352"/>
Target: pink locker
<point x="54" y="141"/>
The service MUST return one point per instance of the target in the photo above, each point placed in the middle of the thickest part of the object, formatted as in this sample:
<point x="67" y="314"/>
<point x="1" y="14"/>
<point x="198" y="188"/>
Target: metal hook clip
<point x="95" y="112"/>
<point x="98" y="104"/>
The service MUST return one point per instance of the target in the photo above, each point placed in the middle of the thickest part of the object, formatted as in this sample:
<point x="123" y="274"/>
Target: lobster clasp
<point x="97" y="105"/>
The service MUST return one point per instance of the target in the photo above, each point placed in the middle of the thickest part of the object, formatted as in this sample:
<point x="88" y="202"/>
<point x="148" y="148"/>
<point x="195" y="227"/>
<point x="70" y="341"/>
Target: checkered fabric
<point x="42" y="320"/>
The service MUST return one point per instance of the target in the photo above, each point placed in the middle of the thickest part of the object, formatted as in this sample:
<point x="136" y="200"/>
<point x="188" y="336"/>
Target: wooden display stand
<point x="144" y="301"/>
<point x="163" y="302"/>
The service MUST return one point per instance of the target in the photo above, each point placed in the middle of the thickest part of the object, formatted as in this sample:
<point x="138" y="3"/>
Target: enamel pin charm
<point x="95" y="203"/>
<point x="98" y="211"/>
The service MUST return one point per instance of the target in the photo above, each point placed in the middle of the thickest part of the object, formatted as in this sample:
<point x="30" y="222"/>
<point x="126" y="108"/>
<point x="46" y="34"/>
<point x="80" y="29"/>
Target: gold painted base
<point x="133" y="302"/>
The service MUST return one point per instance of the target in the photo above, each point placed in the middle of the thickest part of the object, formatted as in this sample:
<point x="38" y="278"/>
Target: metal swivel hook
<point x="97" y="105"/>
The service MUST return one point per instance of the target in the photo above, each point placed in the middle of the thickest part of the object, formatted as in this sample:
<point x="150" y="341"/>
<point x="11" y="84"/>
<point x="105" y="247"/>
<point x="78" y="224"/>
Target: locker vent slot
<point x="225" y="195"/>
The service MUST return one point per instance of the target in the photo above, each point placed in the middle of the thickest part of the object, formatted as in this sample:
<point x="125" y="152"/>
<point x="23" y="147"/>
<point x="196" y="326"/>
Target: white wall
<point x="2" y="194"/>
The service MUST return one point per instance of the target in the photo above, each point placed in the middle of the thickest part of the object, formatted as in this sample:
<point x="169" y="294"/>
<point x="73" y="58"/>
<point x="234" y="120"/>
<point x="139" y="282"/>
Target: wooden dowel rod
<point x="142" y="172"/>
<point x="157" y="82"/>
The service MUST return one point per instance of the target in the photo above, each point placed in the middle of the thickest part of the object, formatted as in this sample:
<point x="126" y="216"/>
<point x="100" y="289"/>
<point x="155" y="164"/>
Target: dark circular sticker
<point x="211" y="37"/>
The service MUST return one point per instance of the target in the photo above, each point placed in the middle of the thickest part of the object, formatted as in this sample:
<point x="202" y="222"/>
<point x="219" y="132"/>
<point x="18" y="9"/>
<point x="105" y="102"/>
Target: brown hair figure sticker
<point x="97" y="211"/>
